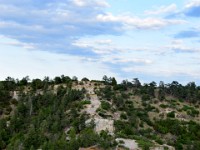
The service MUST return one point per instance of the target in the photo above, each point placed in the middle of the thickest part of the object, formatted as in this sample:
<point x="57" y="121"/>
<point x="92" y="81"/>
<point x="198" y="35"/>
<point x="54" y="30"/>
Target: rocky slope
<point x="121" y="118"/>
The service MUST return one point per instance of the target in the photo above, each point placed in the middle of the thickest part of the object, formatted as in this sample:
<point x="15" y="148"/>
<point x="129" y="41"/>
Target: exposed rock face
<point x="104" y="124"/>
<point x="128" y="143"/>
<point x="15" y="95"/>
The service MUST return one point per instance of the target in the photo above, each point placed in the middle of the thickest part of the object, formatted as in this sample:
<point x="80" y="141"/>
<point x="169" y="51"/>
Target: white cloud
<point x="104" y="42"/>
<point x="139" y="23"/>
<point x="178" y="45"/>
<point x="169" y="70"/>
<point x="125" y="60"/>
<point x="79" y="2"/>
<point x="162" y="10"/>
<point x="134" y="60"/>
<point x="19" y="44"/>
<point x="192" y="3"/>
<point x="92" y="43"/>
<point x="176" y="42"/>
<point x="84" y="3"/>
<point x="110" y="52"/>
<point x="100" y="46"/>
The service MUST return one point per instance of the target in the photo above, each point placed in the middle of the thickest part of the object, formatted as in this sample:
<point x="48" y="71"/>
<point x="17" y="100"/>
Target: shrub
<point x="150" y="108"/>
<point x="166" y="148"/>
<point x="159" y="141"/>
<point x="85" y="102"/>
<point x="190" y="111"/>
<point x="9" y="109"/>
<point x="85" y="79"/>
<point x="171" y="114"/>
<point x="82" y="103"/>
<point x="14" y="101"/>
<point x="88" y="138"/>
<point x="144" y="143"/>
<point x="193" y="112"/>
<point x="145" y="97"/>
<point x="102" y="114"/>
<point x="105" y="105"/>
<point x="1" y="111"/>
<point x="163" y="106"/>
<point x="81" y="83"/>
<point x="123" y="116"/>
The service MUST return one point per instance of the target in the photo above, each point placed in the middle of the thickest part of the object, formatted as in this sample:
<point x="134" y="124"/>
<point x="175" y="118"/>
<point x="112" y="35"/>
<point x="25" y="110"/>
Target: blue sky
<point x="152" y="40"/>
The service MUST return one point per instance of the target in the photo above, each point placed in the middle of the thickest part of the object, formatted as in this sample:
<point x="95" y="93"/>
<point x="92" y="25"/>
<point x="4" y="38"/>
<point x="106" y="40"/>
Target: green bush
<point x="102" y="113"/>
<point x="85" y="102"/>
<point x="14" y="101"/>
<point x="1" y="111"/>
<point x="9" y="109"/>
<point x="88" y="138"/>
<point x="149" y="107"/>
<point x="193" y="112"/>
<point x="144" y="143"/>
<point x="105" y="105"/>
<point x="145" y="97"/>
<point x="123" y="116"/>
<point x="159" y="141"/>
<point x="171" y="114"/>
<point x="163" y="106"/>
<point x="190" y="111"/>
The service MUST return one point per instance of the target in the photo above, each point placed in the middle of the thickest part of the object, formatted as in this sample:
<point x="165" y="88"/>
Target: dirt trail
<point x="95" y="104"/>
<point x="101" y="123"/>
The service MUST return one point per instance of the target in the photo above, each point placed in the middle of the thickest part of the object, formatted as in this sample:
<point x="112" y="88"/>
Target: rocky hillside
<point x="68" y="114"/>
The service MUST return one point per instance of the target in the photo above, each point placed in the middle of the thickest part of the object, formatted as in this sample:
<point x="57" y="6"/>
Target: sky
<point x="150" y="40"/>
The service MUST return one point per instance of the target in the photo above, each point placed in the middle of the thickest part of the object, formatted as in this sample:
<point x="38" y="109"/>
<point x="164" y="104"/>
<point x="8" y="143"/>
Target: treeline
<point x="189" y="92"/>
<point x="13" y="84"/>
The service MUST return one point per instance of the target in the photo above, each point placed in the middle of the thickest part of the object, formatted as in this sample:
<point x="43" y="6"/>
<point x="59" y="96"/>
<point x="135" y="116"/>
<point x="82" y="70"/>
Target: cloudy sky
<point x="149" y="39"/>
